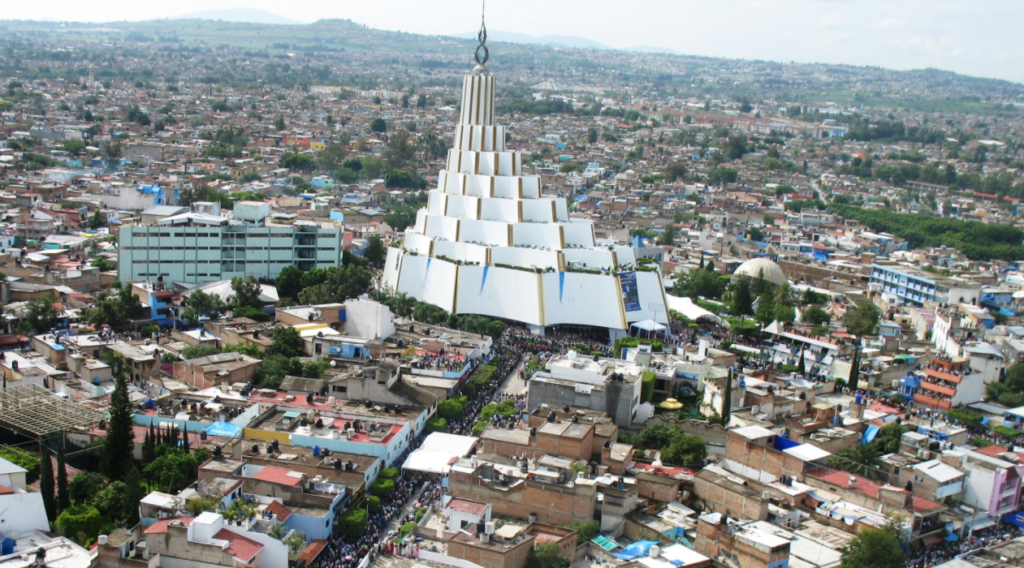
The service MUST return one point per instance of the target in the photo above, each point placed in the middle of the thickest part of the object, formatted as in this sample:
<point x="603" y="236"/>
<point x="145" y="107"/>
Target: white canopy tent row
<point x="692" y="311"/>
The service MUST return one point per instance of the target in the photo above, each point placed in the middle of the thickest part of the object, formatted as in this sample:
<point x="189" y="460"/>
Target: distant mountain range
<point x="576" y="42"/>
<point x="240" y="15"/>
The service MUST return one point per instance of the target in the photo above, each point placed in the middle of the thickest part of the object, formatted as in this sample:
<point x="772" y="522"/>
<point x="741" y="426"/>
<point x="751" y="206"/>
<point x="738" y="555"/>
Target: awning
<point x="1013" y="518"/>
<point x="648" y="325"/>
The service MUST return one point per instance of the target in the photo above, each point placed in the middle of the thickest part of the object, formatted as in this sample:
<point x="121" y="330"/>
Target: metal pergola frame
<point x="36" y="412"/>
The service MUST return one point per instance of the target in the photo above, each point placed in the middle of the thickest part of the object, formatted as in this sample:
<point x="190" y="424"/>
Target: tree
<point x="810" y="297"/>
<point x="727" y="400"/>
<point x="399" y="152"/>
<point x="654" y="437"/>
<point x="376" y="251"/>
<point x="279" y="123"/>
<point x="586" y="530"/>
<point x="120" y="445"/>
<point x="135" y="492"/>
<point x="742" y="300"/>
<point x="298" y="162"/>
<point x="450" y="409"/>
<point x="382" y="487"/>
<point x="289" y="282"/>
<point x="403" y="179"/>
<point x="174" y="470"/>
<point x="875" y="549"/>
<point x="862" y="320"/>
<point x="722" y="176"/>
<point x="815" y="316"/>
<point x="862" y="459"/>
<point x="768" y="219"/>
<point x="765" y="310"/>
<point x="591" y="135"/>
<point x="686" y="451"/>
<point x="247" y="292"/>
<point x="668" y="236"/>
<point x="353" y="522"/>
<point x="46" y="482"/>
<point x="889" y="438"/>
<point x="855" y="370"/>
<point x="81" y="523"/>
<point x="699" y="284"/>
<point x="331" y="157"/>
<point x="116" y="306"/>
<point x="273" y="370"/>
<point x="287" y="341"/>
<point x="63" y="497"/>
<point x="84" y="486"/>
<point x="547" y="555"/>
<point x="674" y="171"/>
<point x="41" y="315"/>
<point x="378" y="125"/>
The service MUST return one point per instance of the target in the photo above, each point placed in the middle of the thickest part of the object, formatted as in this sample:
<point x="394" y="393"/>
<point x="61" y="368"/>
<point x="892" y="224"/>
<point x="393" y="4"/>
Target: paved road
<point x="512" y="383"/>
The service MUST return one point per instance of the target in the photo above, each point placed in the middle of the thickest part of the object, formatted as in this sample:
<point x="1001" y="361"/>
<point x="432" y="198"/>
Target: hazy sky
<point x="975" y="37"/>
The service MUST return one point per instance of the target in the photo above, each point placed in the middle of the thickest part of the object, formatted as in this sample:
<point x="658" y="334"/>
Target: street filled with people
<point x="511" y="356"/>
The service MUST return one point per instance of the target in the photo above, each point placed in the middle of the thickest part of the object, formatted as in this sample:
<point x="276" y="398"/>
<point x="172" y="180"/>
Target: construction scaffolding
<point x="38" y="413"/>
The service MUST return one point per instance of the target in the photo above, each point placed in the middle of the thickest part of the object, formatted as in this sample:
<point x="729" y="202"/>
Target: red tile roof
<point x="279" y="510"/>
<point x="239" y="546"/>
<point x="278" y="475"/>
<point x="991" y="451"/>
<point x="867" y="487"/>
<point x="160" y="527"/>
<point x="467" y="506"/>
<point x="313" y="550"/>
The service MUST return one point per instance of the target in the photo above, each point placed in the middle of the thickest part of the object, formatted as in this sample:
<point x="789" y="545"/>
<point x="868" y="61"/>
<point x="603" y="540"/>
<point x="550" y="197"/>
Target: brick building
<point x="739" y="545"/>
<point x="553" y="496"/>
<point x="213" y="370"/>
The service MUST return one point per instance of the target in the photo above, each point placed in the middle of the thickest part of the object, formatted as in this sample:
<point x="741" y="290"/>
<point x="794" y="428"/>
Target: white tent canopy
<point x="438" y="452"/>
<point x="690" y="310"/>
<point x="648" y="325"/>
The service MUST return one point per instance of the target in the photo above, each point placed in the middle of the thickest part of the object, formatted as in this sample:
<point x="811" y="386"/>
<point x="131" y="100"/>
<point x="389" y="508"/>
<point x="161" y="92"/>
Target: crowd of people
<point x="412" y="489"/>
<point x="941" y="553"/>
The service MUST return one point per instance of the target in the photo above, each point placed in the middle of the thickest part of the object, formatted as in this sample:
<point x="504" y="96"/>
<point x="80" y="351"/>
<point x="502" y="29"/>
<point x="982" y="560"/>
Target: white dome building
<point x="756" y="266"/>
<point x="488" y="243"/>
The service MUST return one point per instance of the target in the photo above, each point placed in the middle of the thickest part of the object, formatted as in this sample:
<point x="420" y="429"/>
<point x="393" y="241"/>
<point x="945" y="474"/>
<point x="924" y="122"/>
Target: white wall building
<point x="488" y="243"/>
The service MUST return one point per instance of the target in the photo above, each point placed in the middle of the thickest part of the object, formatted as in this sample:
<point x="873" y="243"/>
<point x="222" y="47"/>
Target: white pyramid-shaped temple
<point x="488" y="243"/>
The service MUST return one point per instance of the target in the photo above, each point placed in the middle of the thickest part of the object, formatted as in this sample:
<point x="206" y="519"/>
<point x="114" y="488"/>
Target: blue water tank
<point x="316" y="451"/>
<point x="858" y="398"/>
<point x="743" y="384"/>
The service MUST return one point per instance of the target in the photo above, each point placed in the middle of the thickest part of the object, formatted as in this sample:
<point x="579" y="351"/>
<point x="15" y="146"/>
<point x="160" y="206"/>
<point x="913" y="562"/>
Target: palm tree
<point x="862" y="460"/>
<point x="403" y="304"/>
<point x="783" y="296"/>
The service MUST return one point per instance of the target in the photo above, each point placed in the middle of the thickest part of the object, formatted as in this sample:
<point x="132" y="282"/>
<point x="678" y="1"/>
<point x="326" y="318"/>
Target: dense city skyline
<point x="970" y="38"/>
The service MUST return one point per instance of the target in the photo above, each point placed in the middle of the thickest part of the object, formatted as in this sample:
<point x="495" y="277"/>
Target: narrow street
<point x="512" y="384"/>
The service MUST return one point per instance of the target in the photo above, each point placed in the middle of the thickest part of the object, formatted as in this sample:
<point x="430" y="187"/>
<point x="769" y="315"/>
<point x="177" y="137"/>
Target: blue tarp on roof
<point x="638" y="549"/>
<point x="224" y="429"/>
<point x="869" y="434"/>
<point x="985" y="419"/>
<point x="780" y="443"/>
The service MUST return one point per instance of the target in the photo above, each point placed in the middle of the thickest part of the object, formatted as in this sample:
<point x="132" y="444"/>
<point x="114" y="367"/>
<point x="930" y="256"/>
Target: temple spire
<point x="481" y="37"/>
